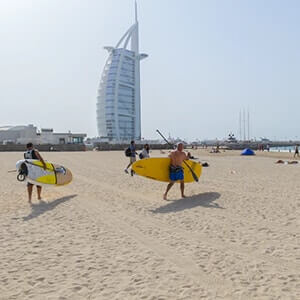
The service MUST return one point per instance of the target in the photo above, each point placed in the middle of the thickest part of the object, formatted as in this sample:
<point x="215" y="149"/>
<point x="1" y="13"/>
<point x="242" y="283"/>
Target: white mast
<point x="135" y="34"/>
<point x="135" y="48"/>
<point x="248" y="125"/>
<point x="240" y="125"/>
<point x="136" y="19"/>
<point x="244" y="123"/>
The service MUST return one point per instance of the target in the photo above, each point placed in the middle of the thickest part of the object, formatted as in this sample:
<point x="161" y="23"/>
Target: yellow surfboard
<point x="157" y="168"/>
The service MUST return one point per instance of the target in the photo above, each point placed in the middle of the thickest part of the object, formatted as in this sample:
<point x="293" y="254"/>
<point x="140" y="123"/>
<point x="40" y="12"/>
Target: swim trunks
<point x="176" y="173"/>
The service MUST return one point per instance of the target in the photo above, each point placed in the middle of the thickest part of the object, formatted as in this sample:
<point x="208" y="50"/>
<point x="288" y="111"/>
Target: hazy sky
<point x="207" y="60"/>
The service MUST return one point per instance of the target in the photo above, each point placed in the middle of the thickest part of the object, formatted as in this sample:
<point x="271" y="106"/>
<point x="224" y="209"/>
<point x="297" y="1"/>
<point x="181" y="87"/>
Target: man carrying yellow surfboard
<point x="176" y="171"/>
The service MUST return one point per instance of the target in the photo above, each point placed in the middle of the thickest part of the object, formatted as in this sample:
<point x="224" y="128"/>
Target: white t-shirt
<point x="145" y="153"/>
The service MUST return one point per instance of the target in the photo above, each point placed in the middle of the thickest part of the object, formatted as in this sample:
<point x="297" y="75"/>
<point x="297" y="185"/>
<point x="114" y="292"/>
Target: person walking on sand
<point x="32" y="153"/>
<point x="296" y="151"/>
<point x="176" y="171"/>
<point x="132" y="157"/>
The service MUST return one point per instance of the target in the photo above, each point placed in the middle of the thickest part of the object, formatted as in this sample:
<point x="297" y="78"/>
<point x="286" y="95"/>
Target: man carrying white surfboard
<point x="176" y="171"/>
<point x="32" y="153"/>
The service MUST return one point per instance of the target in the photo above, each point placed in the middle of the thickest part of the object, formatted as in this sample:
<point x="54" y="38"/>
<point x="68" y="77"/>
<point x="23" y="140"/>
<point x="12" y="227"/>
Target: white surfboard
<point x="32" y="170"/>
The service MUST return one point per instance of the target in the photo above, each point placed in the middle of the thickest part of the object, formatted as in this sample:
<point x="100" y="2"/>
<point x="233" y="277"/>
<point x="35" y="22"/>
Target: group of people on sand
<point x="132" y="158"/>
<point x="176" y="173"/>
<point x="175" y="170"/>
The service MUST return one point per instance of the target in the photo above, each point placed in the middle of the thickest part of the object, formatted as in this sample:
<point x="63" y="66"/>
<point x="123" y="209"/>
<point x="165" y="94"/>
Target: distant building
<point x="30" y="133"/>
<point x="119" y="100"/>
<point x="93" y="141"/>
<point x="263" y="139"/>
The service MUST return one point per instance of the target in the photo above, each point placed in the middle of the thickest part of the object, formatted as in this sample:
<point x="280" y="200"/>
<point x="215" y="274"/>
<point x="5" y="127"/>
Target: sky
<point x="208" y="60"/>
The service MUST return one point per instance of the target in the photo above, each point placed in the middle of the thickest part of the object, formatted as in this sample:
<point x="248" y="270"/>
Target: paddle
<point x="193" y="173"/>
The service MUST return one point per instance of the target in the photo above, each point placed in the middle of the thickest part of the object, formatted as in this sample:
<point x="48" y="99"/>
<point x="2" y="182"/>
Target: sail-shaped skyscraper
<point x="119" y="96"/>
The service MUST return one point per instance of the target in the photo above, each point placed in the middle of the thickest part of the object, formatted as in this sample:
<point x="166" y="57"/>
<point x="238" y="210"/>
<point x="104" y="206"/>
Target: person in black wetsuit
<point x="32" y="153"/>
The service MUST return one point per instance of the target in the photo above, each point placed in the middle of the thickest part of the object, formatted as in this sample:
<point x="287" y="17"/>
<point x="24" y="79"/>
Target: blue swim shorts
<point x="176" y="174"/>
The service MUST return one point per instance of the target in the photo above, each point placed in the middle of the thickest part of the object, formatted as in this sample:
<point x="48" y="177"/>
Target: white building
<point x="119" y="99"/>
<point x="30" y="133"/>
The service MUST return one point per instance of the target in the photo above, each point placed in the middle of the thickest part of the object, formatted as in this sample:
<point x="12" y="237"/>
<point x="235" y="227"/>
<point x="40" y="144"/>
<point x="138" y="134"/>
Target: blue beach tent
<point x="248" y="151"/>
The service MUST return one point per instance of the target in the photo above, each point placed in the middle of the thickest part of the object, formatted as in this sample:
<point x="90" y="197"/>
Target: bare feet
<point x="183" y="196"/>
<point x="165" y="196"/>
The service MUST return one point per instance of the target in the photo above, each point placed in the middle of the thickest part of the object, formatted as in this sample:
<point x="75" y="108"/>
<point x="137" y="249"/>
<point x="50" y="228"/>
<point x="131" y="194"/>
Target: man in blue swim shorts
<point x="176" y="171"/>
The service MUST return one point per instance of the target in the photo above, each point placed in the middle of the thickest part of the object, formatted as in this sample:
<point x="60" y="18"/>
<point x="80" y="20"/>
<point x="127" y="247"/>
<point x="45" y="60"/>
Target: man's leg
<point x="126" y="169"/>
<point x="182" y="188"/>
<point x="130" y="163"/>
<point x="29" y="190"/>
<point x="168" y="188"/>
<point x="39" y="191"/>
<point x="132" y="160"/>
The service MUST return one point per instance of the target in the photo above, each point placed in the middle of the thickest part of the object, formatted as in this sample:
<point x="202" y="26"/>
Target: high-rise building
<point x="119" y="96"/>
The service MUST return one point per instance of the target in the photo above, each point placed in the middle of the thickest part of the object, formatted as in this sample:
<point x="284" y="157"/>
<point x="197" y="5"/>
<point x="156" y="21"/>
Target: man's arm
<point x="40" y="158"/>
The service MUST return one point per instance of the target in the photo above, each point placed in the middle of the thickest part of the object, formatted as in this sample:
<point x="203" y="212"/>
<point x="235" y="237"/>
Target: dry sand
<point x="108" y="235"/>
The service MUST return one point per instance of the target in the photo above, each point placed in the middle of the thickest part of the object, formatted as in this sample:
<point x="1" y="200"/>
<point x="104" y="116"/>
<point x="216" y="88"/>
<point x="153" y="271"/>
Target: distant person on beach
<point x="296" y="151"/>
<point x="132" y="157"/>
<point x="32" y="153"/>
<point x="145" y="152"/>
<point x="176" y="171"/>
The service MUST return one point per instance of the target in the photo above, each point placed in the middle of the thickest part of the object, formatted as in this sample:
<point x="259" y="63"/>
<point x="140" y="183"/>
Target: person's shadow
<point x="204" y="200"/>
<point x="42" y="207"/>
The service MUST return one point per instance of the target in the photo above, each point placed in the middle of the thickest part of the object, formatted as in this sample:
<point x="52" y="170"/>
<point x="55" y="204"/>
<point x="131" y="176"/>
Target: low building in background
<point x="30" y="133"/>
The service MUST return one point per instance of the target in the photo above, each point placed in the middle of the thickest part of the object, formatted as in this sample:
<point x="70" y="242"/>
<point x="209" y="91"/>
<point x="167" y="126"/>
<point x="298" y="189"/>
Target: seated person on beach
<point x="215" y="150"/>
<point x="190" y="155"/>
<point x="280" y="161"/>
<point x="176" y="171"/>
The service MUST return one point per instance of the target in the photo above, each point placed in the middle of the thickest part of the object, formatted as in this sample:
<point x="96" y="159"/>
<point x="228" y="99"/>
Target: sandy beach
<point x="108" y="235"/>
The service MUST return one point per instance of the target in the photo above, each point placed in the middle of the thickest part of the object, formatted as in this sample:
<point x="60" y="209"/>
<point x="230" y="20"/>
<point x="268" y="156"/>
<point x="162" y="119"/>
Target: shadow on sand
<point x="42" y="207"/>
<point x="204" y="200"/>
